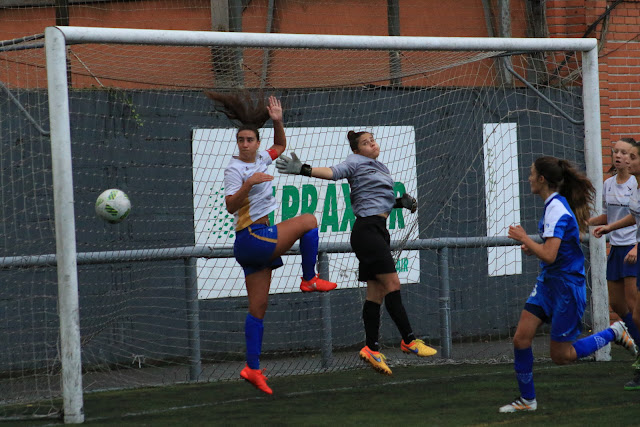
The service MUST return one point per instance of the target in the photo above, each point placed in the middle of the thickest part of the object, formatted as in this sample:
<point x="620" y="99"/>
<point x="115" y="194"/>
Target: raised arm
<point x="279" y="138"/>
<point x="323" y="173"/>
<point x="294" y="166"/>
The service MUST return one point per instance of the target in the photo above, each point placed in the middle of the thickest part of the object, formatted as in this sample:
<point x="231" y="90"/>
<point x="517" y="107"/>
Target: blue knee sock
<point x="253" y="330"/>
<point x="523" y="365"/>
<point x="631" y="326"/>
<point x="590" y="344"/>
<point x="309" y="251"/>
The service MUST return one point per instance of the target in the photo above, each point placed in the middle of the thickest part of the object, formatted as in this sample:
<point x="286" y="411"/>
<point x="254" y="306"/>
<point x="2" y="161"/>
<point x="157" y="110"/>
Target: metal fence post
<point x="444" y="302"/>
<point x="193" y="318"/>
<point x="325" y="302"/>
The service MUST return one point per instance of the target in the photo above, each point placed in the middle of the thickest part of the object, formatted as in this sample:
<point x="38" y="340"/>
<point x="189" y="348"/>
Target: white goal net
<point x="161" y="299"/>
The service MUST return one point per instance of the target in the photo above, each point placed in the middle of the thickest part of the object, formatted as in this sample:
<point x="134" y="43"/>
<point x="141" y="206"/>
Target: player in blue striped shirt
<point x="559" y="296"/>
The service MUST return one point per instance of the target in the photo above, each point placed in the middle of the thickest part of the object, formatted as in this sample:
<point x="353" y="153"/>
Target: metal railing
<point x="190" y="254"/>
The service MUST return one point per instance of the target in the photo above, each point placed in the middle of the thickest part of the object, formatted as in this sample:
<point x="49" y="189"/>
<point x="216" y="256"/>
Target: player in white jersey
<point x="622" y="262"/>
<point x="559" y="296"/>
<point x="633" y="162"/>
<point x="259" y="245"/>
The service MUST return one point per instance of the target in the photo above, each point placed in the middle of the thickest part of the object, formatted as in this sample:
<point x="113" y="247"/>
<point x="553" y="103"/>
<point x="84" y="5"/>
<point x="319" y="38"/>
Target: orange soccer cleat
<point x="376" y="359"/>
<point x="317" y="285"/>
<point x="418" y="347"/>
<point x="256" y="378"/>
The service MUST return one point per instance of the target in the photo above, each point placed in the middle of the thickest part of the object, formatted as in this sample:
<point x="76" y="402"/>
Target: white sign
<point x="502" y="194"/>
<point x="327" y="200"/>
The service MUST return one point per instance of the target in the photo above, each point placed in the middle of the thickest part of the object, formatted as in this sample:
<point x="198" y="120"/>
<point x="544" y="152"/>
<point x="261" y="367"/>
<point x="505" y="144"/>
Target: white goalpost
<point x="160" y="292"/>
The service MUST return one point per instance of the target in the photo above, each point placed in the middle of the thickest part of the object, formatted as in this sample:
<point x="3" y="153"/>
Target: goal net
<point x="162" y="300"/>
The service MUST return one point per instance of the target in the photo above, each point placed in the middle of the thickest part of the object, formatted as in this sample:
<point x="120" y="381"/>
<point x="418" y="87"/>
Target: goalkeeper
<point x="372" y="198"/>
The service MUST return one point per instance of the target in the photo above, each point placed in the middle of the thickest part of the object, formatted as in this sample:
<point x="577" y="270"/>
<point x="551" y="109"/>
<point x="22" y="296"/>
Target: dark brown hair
<point x="573" y="185"/>
<point x="241" y="109"/>
<point x="353" y="139"/>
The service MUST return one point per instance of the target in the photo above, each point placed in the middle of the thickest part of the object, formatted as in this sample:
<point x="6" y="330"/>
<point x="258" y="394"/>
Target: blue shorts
<point x="616" y="267"/>
<point x="560" y="301"/>
<point x="254" y="247"/>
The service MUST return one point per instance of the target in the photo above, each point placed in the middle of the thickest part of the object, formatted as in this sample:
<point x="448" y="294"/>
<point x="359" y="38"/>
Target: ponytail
<point x="242" y="110"/>
<point x="563" y="177"/>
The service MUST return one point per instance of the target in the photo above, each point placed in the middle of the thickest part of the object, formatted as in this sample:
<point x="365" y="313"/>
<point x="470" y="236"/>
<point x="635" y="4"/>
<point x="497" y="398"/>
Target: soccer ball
<point x="113" y="205"/>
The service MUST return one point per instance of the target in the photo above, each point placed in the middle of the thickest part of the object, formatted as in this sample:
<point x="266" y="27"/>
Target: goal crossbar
<point x="318" y="41"/>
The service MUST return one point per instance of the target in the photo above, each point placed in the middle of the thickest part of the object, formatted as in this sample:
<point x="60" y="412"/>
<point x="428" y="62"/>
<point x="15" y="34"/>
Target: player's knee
<point x="258" y="309"/>
<point x="392" y="286"/>
<point x="310" y="221"/>
<point x="561" y="359"/>
<point x="562" y="355"/>
<point x="521" y="342"/>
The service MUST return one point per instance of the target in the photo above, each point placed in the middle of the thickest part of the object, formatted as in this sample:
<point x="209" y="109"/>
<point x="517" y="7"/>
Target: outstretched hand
<point x="289" y="165"/>
<point x="275" y="109"/>
<point x="407" y="202"/>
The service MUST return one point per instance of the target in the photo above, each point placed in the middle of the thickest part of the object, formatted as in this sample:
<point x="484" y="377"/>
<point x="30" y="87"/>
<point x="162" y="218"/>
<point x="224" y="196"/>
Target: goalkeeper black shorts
<point x="371" y="242"/>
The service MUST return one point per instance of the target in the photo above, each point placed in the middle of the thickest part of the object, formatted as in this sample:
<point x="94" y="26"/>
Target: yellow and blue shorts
<point x="254" y="248"/>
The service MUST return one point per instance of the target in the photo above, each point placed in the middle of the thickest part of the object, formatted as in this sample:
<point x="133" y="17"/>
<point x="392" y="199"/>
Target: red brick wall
<point x="619" y="33"/>
<point x="619" y="60"/>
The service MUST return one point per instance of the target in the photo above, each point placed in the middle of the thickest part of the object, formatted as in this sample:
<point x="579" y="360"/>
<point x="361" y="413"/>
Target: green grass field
<point x="587" y="393"/>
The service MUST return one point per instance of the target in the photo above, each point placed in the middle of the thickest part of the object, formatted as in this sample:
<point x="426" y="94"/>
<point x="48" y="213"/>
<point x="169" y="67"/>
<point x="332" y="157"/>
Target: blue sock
<point x="253" y="330"/>
<point x="631" y="326"/>
<point x="523" y="364"/>
<point x="309" y="251"/>
<point x="590" y="344"/>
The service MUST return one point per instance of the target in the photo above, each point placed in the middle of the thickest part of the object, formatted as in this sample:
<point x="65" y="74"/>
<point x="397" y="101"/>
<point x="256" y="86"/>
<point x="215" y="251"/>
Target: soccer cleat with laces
<point x="520" y="404"/>
<point x="256" y="378"/>
<point x="316" y="285"/>
<point x="623" y="337"/>
<point x="376" y="359"/>
<point x="418" y="347"/>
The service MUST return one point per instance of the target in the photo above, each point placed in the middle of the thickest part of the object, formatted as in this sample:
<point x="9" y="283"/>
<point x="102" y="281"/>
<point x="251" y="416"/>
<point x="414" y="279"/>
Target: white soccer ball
<point x="113" y="205"/>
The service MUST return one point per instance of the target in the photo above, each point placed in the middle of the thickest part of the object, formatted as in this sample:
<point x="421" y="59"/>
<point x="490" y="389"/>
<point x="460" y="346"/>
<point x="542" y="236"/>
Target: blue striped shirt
<point x="559" y="221"/>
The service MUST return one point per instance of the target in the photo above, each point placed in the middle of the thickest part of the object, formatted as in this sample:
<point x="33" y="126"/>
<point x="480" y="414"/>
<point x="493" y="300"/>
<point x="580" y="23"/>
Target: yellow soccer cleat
<point x="376" y="359"/>
<point x="418" y="347"/>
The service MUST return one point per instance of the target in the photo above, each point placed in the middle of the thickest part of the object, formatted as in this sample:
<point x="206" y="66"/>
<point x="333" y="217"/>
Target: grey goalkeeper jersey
<point x="371" y="184"/>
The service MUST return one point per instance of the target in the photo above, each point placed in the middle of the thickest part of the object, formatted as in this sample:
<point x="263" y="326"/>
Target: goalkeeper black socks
<point x="393" y="302"/>
<point x="371" y="318"/>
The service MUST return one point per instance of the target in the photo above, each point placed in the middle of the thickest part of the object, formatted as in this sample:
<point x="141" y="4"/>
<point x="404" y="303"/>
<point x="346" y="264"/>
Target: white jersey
<point x="260" y="200"/>
<point x="615" y="202"/>
<point x="634" y="206"/>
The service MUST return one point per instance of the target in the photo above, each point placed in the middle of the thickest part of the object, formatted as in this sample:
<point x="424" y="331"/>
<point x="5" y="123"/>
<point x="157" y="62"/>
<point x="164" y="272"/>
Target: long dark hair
<point x="242" y="110"/>
<point x="563" y="177"/>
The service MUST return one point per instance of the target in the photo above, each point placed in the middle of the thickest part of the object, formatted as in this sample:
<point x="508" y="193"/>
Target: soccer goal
<point x="158" y="298"/>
